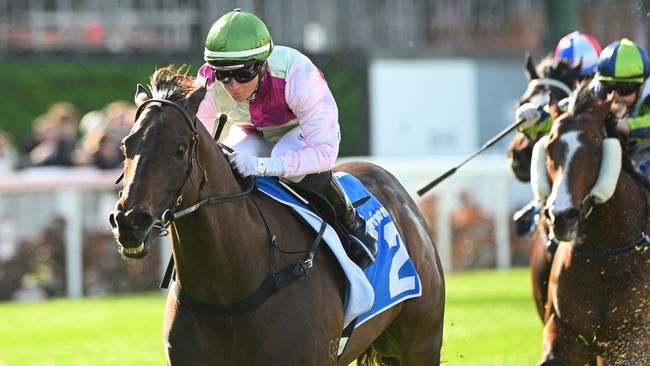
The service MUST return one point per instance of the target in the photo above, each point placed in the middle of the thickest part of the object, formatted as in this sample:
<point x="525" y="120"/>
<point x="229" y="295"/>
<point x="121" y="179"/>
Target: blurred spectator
<point x="120" y="116"/>
<point x="101" y="148"/>
<point x="56" y="135"/>
<point x="473" y="235"/>
<point x="103" y="132"/>
<point x="8" y="154"/>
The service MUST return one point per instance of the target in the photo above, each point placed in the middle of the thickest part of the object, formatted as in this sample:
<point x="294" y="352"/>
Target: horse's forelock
<point x="583" y="100"/>
<point x="170" y="83"/>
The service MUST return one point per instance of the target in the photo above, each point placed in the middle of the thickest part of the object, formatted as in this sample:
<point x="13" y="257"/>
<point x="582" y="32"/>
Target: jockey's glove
<point x="529" y="113"/>
<point x="247" y="164"/>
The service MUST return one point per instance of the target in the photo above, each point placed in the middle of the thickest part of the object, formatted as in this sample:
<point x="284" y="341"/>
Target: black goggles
<point x="622" y="89"/>
<point x="242" y="74"/>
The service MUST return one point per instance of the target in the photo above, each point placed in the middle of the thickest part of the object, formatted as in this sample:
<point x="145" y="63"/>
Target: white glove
<point x="247" y="164"/>
<point x="529" y="113"/>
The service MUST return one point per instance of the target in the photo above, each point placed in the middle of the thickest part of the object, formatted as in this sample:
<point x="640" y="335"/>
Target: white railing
<point x="84" y="197"/>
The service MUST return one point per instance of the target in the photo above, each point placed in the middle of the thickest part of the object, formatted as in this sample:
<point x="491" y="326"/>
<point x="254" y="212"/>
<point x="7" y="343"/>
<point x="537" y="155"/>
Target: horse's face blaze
<point x="574" y="154"/>
<point x="155" y="168"/>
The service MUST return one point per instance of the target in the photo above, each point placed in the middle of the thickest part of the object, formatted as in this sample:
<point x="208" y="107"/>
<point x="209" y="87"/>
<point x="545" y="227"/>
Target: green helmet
<point x="237" y="36"/>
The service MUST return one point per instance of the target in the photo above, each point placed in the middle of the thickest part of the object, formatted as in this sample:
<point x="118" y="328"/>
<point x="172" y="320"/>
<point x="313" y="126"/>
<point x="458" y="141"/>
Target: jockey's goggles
<point x="242" y="73"/>
<point x="622" y="89"/>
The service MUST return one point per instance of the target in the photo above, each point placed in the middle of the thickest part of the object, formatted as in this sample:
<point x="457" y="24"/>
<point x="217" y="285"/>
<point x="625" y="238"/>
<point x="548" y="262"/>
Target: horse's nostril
<point x="572" y="214"/>
<point x="139" y="220"/>
<point x="111" y="220"/>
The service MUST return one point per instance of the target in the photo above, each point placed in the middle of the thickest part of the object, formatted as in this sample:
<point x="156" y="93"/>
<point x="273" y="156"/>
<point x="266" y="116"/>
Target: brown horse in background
<point x="542" y="87"/>
<point x="599" y="290"/>
<point x="226" y="249"/>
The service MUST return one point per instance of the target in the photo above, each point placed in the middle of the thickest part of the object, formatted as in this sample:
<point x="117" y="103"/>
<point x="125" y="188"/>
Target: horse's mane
<point x="583" y="99"/>
<point x="560" y="70"/>
<point x="171" y="83"/>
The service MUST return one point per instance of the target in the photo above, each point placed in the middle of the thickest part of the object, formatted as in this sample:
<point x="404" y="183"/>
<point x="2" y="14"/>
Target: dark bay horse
<point x="599" y="288"/>
<point x="223" y="251"/>
<point x="550" y="80"/>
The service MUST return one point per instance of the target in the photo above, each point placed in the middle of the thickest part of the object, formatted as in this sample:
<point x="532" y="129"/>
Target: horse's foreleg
<point x="562" y="347"/>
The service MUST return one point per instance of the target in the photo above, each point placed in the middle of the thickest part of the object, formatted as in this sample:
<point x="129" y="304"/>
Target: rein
<point x="550" y="82"/>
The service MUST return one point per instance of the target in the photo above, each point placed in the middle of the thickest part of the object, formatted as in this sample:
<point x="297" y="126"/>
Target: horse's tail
<point x="371" y="358"/>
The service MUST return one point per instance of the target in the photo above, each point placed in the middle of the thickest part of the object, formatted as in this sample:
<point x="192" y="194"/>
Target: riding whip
<point x="222" y="122"/>
<point x="451" y="171"/>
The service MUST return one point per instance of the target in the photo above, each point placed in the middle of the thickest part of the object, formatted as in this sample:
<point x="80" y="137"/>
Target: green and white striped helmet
<point x="237" y="36"/>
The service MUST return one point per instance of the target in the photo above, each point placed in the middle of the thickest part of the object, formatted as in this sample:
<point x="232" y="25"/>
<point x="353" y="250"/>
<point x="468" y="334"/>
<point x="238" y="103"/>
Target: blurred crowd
<point x="60" y="137"/>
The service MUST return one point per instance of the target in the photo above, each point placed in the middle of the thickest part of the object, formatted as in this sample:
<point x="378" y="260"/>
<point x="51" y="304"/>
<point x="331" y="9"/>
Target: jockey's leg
<point x="364" y="248"/>
<point x="251" y="141"/>
<point x="363" y="243"/>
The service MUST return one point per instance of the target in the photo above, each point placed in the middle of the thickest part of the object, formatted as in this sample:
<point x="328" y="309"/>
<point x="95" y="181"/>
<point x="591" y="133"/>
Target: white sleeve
<point x="310" y="99"/>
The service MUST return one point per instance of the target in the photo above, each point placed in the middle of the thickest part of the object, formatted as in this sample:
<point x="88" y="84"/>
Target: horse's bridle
<point x="586" y="207"/>
<point x="170" y="214"/>
<point x="550" y="82"/>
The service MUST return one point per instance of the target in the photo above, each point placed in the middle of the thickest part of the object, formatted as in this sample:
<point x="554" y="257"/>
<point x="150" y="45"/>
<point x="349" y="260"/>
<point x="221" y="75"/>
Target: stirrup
<point x="363" y="252"/>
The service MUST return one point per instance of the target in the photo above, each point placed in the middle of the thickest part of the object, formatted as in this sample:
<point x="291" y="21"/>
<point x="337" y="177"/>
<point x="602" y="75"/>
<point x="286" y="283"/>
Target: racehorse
<point x="598" y="208"/>
<point x="236" y="240"/>
<point x="550" y="80"/>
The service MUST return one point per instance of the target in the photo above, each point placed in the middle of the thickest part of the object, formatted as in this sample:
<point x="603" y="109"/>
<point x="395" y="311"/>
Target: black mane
<point x="558" y="70"/>
<point x="583" y="99"/>
<point x="170" y="83"/>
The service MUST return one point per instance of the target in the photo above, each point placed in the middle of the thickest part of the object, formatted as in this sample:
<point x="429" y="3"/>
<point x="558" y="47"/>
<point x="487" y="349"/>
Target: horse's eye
<point x="180" y="152"/>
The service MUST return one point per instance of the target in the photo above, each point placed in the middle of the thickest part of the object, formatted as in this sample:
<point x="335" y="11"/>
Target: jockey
<point x="284" y="117"/>
<point x="573" y="48"/>
<point x="623" y="69"/>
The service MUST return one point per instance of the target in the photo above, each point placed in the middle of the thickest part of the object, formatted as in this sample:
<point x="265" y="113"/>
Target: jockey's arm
<point x="637" y="128"/>
<point x="207" y="112"/>
<point x="310" y="99"/>
<point x="540" y="128"/>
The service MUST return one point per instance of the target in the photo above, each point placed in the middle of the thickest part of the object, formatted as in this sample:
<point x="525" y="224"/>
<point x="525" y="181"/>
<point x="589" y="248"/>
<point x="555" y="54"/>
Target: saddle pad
<point x="390" y="280"/>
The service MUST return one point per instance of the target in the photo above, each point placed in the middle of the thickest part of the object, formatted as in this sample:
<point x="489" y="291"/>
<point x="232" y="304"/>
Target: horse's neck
<point x="623" y="217"/>
<point x="218" y="246"/>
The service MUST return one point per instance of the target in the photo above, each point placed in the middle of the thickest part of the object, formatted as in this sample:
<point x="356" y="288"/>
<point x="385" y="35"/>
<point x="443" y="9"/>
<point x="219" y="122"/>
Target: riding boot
<point x="526" y="218"/>
<point x="363" y="248"/>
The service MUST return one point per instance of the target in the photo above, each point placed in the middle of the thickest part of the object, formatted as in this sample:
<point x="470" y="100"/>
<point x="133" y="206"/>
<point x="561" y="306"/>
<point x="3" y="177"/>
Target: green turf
<point x="489" y="320"/>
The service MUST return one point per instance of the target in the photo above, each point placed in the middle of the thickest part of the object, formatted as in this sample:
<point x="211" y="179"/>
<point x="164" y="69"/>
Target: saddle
<point x="321" y="207"/>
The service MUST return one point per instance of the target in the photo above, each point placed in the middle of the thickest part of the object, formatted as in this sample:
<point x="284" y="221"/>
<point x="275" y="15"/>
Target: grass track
<point x="489" y="320"/>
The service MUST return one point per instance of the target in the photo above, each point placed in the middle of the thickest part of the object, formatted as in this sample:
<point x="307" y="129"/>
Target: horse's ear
<point x="141" y="95"/>
<point x="602" y="109"/>
<point x="194" y="100"/>
<point x="530" y="71"/>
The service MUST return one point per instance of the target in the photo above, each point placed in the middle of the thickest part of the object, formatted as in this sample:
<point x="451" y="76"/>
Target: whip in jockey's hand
<point x="530" y="114"/>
